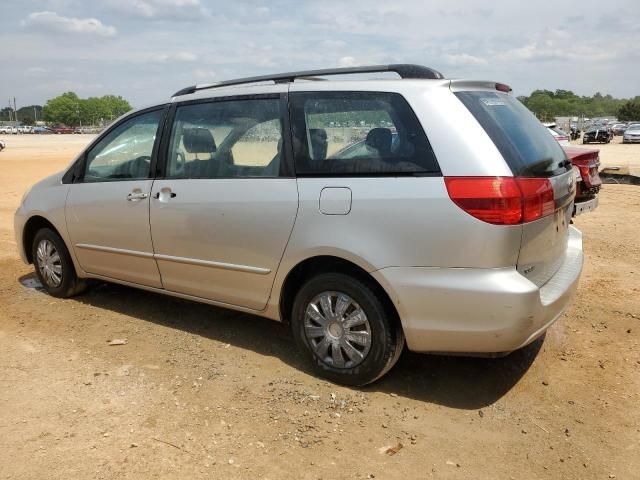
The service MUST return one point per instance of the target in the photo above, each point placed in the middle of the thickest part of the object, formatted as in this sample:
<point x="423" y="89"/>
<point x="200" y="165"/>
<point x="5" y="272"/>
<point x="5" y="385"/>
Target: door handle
<point x="163" y="194"/>
<point x="137" y="196"/>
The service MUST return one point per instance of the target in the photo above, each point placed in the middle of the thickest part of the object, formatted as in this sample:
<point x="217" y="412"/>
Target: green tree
<point x="564" y="103"/>
<point x="64" y="110"/>
<point x="630" y="110"/>
<point x="68" y="109"/>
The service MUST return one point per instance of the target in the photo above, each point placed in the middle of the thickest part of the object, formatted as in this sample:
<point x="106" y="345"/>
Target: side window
<point x="358" y="133"/>
<point x="226" y="139"/>
<point x="125" y="152"/>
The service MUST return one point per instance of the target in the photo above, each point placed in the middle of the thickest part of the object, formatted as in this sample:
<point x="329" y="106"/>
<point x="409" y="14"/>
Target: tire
<point x="380" y="326"/>
<point x="59" y="279"/>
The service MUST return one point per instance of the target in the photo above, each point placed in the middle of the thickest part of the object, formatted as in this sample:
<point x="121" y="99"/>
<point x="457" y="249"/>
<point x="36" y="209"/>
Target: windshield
<point x="522" y="140"/>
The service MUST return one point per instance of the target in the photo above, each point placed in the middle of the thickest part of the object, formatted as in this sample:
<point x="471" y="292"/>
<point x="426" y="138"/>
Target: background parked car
<point x="586" y="162"/>
<point x="561" y="136"/>
<point x="632" y="134"/>
<point x="60" y="130"/>
<point x="41" y="130"/>
<point x="596" y="134"/>
<point x="8" y="129"/>
<point x="619" y="128"/>
<point x="575" y="132"/>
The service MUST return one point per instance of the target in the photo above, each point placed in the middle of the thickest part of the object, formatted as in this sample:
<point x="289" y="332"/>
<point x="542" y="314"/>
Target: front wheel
<point x="54" y="266"/>
<point x="346" y="330"/>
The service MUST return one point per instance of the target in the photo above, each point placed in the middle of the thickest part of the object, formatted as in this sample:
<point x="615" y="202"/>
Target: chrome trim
<point x="170" y="258"/>
<point x="208" y="263"/>
<point x="119" y="251"/>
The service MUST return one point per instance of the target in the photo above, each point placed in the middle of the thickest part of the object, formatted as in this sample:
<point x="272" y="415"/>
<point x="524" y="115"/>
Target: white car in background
<point x="561" y="136"/>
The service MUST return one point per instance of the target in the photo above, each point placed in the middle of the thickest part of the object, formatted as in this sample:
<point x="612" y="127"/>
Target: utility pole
<point x="10" y="112"/>
<point x="15" y="110"/>
<point x="35" y="115"/>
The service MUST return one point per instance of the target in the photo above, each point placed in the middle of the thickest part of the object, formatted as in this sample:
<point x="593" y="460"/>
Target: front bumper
<point x="19" y="220"/>
<point x="631" y="139"/>
<point x="472" y="310"/>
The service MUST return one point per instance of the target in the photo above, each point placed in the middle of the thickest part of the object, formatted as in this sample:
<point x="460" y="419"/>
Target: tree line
<point x="564" y="103"/>
<point x="70" y="110"/>
<point x="26" y="115"/>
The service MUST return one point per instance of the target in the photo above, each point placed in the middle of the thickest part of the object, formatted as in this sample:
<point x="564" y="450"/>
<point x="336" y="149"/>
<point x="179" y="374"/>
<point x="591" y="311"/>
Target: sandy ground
<point x="200" y="392"/>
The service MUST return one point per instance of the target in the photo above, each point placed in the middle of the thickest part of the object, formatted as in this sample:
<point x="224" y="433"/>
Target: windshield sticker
<point x="492" y="102"/>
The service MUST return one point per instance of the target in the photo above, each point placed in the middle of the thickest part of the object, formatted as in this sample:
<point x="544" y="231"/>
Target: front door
<point x="107" y="211"/>
<point x="222" y="214"/>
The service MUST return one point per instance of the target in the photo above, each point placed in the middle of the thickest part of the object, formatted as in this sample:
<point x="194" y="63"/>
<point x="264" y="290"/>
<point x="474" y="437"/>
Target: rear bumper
<point x="467" y="310"/>
<point x="585" y="206"/>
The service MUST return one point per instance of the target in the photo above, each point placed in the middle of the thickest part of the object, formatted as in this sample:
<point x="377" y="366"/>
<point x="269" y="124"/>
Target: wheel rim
<point x="49" y="263"/>
<point x="337" y="329"/>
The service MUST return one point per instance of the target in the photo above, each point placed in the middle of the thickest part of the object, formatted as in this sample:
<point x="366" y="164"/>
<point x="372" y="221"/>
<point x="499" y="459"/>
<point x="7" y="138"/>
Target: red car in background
<point x="585" y="164"/>
<point x="60" y="130"/>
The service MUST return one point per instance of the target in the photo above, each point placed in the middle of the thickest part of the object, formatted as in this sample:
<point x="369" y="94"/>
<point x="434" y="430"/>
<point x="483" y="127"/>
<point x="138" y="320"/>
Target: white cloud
<point x="160" y="9"/>
<point x="203" y="74"/>
<point x="334" y="44"/>
<point x="464" y="59"/>
<point x="348" y="62"/>
<point x="173" y="57"/>
<point x="51" y="21"/>
<point x="35" y="71"/>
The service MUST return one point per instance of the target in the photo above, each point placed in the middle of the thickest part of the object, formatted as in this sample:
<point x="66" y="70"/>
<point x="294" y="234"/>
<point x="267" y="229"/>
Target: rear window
<point x="522" y="140"/>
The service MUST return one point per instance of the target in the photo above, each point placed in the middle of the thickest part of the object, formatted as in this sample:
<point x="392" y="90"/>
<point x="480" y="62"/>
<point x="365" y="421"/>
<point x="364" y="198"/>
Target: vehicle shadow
<point x="452" y="381"/>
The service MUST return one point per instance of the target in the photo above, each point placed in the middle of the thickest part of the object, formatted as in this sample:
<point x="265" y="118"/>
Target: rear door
<point x="222" y="214"/>
<point x="530" y="152"/>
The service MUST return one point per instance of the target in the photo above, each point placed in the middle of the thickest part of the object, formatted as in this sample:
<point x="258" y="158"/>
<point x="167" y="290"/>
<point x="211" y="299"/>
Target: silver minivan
<point x="366" y="213"/>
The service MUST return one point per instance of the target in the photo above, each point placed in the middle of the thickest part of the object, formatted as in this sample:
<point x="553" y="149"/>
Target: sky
<point x="145" y="50"/>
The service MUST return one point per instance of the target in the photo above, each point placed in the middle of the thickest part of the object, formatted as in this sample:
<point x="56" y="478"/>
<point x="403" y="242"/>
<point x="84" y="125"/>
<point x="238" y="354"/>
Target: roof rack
<point x="405" y="70"/>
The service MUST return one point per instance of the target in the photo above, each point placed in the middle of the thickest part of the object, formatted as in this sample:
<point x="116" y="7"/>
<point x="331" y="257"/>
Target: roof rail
<point x="405" y="70"/>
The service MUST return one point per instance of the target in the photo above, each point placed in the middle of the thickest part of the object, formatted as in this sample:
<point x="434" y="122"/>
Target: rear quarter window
<point x="522" y="140"/>
<point x="358" y="133"/>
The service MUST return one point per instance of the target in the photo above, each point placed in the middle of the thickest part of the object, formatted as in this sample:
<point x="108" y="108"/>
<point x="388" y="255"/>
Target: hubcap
<point x="49" y="263"/>
<point x="337" y="330"/>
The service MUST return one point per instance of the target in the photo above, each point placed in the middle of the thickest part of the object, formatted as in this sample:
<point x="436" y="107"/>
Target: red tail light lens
<point x="502" y="200"/>
<point x="538" y="198"/>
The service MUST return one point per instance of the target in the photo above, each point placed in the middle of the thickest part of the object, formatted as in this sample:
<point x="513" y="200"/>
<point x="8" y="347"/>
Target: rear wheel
<point x="54" y="266"/>
<point x="347" y="332"/>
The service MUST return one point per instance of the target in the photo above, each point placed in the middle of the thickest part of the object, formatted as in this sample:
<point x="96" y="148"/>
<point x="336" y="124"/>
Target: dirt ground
<point x="201" y="392"/>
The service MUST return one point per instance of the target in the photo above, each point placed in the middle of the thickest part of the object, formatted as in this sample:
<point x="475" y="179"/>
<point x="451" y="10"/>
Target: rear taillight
<point x="537" y="198"/>
<point x="502" y="200"/>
